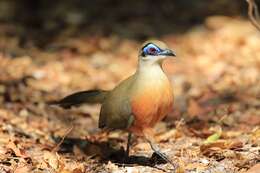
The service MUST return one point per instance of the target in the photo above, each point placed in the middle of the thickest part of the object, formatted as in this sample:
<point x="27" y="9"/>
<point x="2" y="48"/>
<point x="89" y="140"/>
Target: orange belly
<point x="150" y="106"/>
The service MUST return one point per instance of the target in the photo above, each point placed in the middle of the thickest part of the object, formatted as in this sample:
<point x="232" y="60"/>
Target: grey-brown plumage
<point x="116" y="110"/>
<point x="138" y="102"/>
<point x="78" y="98"/>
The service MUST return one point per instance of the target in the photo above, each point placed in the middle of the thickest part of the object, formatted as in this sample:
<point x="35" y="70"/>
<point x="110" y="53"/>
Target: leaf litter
<point x="214" y="126"/>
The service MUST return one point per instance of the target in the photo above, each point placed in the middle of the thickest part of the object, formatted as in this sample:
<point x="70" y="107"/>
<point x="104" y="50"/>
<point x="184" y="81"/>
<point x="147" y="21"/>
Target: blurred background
<point x="49" y="49"/>
<point x="128" y="19"/>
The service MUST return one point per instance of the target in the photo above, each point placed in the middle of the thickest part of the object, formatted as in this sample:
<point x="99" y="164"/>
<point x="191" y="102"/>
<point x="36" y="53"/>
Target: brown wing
<point x="116" y="112"/>
<point x="78" y="98"/>
<point x="116" y="117"/>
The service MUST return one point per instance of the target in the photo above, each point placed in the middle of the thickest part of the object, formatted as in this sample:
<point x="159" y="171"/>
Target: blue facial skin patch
<point x="151" y="49"/>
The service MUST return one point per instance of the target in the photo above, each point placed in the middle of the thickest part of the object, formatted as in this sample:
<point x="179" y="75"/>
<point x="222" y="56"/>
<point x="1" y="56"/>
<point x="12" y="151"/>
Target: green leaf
<point x="212" y="138"/>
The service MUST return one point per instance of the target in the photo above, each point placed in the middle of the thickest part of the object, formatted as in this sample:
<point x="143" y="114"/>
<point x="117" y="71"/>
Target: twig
<point x="56" y="148"/>
<point x="253" y="13"/>
<point x="256" y="13"/>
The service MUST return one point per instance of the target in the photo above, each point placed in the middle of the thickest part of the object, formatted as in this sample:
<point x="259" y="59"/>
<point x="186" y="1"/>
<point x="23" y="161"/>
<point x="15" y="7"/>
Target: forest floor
<point x="214" y="127"/>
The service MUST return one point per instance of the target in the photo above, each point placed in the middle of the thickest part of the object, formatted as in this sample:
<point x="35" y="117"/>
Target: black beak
<point x="167" y="52"/>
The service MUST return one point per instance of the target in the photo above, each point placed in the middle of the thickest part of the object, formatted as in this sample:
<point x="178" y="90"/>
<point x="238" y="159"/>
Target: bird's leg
<point x="126" y="156"/>
<point x="156" y="149"/>
<point x="128" y="144"/>
<point x="148" y="134"/>
<point x="129" y="123"/>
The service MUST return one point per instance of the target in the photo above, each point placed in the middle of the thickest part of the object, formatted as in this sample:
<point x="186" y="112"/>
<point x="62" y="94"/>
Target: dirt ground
<point x="215" y="125"/>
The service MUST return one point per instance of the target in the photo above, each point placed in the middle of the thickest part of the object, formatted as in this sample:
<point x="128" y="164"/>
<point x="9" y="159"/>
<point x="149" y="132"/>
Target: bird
<point x="138" y="102"/>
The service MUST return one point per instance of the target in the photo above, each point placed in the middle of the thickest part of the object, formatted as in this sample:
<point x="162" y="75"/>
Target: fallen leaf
<point x="233" y="145"/>
<point x="77" y="170"/>
<point x="22" y="169"/>
<point x="173" y="133"/>
<point x="210" y="149"/>
<point x="212" y="138"/>
<point x="51" y="159"/>
<point x="20" y="152"/>
<point x="194" y="108"/>
<point x="254" y="169"/>
<point x="196" y="166"/>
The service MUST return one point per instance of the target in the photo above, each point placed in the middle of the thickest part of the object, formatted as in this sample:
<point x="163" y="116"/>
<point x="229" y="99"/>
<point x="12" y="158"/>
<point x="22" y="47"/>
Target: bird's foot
<point x="162" y="158"/>
<point x="157" y="151"/>
<point x="126" y="156"/>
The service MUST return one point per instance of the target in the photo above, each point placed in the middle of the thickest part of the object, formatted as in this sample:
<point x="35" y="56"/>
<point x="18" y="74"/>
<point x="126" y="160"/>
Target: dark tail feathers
<point x="78" y="98"/>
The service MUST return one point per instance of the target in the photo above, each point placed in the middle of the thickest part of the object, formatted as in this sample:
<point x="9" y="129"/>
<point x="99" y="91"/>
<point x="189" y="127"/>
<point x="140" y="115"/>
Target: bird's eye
<point x="152" y="50"/>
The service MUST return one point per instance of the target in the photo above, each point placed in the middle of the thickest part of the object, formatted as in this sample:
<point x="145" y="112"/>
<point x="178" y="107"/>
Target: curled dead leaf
<point x="235" y="145"/>
<point x="215" y="148"/>
<point x="18" y="150"/>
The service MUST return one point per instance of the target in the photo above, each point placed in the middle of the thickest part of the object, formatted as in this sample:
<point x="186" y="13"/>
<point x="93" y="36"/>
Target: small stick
<point x="253" y="13"/>
<point x="56" y="148"/>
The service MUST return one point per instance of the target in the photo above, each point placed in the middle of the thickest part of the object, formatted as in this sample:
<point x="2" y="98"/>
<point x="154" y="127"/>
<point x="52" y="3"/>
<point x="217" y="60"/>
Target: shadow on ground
<point x="106" y="153"/>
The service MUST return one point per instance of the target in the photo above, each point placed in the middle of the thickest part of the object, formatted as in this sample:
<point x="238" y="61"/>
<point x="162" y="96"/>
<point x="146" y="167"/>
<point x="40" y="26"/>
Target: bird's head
<point x="155" y="52"/>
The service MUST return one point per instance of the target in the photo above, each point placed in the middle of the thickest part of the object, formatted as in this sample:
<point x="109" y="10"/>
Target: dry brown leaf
<point x="250" y="119"/>
<point x="20" y="152"/>
<point x="64" y="171"/>
<point x="112" y="167"/>
<point x="220" y="146"/>
<point x="194" y="108"/>
<point x="181" y="167"/>
<point x="173" y="133"/>
<point x="22" y="169"/>
<point x="254" y="169"/>
<point x="222" y="73"/>
<point x="233" y="145"/>
<point x="51" y="159"/>
<point x="77" y="170"/>
<point x="142" y="146"/>
<point x="211" y="151"/>
<point x="195" y="166"/>
<point x="212" y="148"/>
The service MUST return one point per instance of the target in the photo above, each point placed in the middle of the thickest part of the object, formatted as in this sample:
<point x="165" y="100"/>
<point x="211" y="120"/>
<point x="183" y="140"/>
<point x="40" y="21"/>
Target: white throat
<point x="150" y="72"/>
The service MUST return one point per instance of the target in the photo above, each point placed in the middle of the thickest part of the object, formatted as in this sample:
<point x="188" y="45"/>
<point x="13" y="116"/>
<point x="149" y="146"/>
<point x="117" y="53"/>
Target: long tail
<point x="78" y="98"/>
